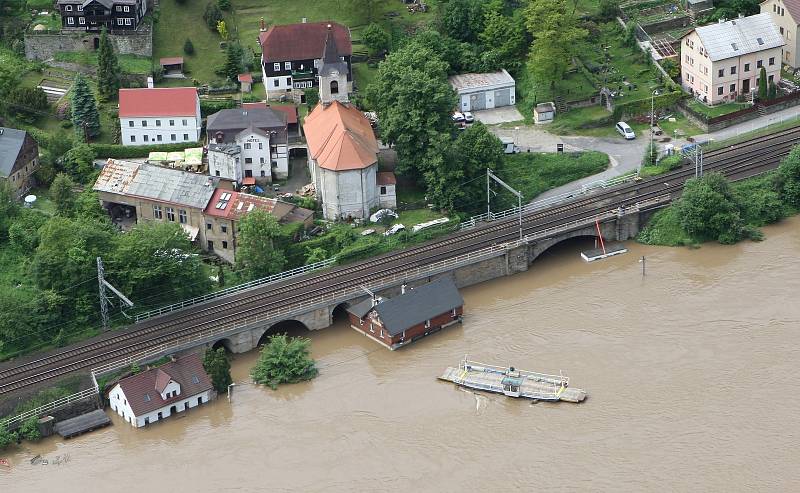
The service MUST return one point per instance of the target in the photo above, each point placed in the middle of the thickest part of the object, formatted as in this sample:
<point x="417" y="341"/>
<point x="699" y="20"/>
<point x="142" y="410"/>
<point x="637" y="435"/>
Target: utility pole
<point x="102" y="285"/>
<point x="642" y="261"/>
<point x="490" y="175"/>
<point x="652" y="123"/>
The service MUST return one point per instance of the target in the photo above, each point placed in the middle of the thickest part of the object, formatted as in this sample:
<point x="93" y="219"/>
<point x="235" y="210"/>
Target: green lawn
<point x="363" y="75"/>
<point x="718" y="110"/>
<point x="131" y="64"/>
<point x="534" y="173"/>
<point x="175" y="24"/>
<point x="415" y="216"/>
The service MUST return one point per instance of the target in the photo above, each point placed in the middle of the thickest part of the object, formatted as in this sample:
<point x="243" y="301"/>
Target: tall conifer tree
<point x="107" y="68"/>
<point x="85" y="116"/>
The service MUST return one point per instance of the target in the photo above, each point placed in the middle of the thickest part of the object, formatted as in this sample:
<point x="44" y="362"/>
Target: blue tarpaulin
<point x="258" y="189"/>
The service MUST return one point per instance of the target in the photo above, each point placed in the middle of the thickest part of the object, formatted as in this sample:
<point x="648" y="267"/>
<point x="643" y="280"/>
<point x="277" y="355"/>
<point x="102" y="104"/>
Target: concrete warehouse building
<point x="484" y="91"/>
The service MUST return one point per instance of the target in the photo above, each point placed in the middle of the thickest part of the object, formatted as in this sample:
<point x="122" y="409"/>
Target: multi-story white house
<point x="786" y="15"/>
<point x="158" y="393"/>
<point x="163" y="115"/>
<point x="722" y="61"/>
<point x="248" y="145"/>
<point x="343" y="160"/>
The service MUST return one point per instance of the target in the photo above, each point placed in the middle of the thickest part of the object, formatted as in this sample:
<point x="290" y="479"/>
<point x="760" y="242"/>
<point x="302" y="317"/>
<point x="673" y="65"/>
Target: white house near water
<point x="484" y="91"/>
<point x="160" y="392"/>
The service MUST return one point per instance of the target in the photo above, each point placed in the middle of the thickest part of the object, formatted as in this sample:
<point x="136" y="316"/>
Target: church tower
<point x="332" y="73"/>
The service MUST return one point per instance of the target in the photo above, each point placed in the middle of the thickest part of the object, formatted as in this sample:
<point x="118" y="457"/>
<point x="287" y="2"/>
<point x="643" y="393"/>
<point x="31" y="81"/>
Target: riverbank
<point x="670" y="361"/>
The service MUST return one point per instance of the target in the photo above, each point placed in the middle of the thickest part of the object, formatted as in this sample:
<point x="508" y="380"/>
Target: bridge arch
<point x="583" y="239"/>
<point x="292" y="328"/>
<point x="226" y="343"/>
<point x="339" y="312"/>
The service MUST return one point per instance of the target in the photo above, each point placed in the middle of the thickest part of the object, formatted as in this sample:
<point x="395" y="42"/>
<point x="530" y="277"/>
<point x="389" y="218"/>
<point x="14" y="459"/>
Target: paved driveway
<point x="494" y="116"/>
<point x="624" y="155"/>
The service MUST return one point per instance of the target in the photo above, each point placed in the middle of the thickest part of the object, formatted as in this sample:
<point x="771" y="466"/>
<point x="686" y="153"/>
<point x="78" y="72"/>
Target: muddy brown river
<point x="691" y="373"/>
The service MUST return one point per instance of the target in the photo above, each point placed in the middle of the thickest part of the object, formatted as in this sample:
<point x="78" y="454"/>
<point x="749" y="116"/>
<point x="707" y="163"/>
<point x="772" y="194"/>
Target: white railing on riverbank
<point x="335" y="297"/>
<point x="298" y="271"/>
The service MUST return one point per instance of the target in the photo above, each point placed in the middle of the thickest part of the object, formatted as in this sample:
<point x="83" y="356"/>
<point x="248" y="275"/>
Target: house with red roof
<point x="162" y="115"/>
<point x="225" y="209"/>
<point x="293" y="57"/>
<point x="343" y="160"/>
<point x="158" y="393"/>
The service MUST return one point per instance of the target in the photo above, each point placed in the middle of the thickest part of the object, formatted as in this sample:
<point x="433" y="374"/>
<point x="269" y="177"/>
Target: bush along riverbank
<point x="714" y="209"/>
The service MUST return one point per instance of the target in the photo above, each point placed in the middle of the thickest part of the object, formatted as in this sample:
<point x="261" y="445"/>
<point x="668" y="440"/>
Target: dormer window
<point x="80" y="8"/>
<point x="196" y="380"/>
<point x="147" y="397"/>
<point x="68" y="8"/>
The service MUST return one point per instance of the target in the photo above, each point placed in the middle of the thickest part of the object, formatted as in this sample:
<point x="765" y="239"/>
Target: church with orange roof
<point x="343" y="161"/>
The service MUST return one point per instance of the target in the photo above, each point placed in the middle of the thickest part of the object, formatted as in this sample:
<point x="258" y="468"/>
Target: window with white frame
<point x="128" y="21"/>
<point x="120" y="22"/>
<point x="126" y="8"/>
<point x="119" y="8"/>
<point x="182" y="216"/>
<point x="70" y="21"/>
<point x="276" y="67"/>
<point x="68" y="8"/>
<point x="157" y="212"/>
<point x="287" y="65"/>
<point x="80" y="8"/>
<point x="247" y="145"/>
<point x="170" y="213"/>
<point x="81" y="20"/>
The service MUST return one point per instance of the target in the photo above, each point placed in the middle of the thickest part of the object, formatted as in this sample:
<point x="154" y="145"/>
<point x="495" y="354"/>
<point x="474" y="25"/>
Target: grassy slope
<point x="534" y="173"/>
<point x="178" y="22"/>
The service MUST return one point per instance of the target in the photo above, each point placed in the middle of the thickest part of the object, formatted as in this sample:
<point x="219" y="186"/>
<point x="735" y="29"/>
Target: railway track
<point x="735" y="161"/>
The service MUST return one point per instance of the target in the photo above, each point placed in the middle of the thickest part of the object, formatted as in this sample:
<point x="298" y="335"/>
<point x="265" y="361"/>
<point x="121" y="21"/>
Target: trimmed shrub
<point x="104" y="151"/>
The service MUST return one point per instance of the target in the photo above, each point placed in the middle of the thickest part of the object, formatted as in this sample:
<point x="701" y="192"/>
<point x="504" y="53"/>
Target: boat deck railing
<point x="561" y="380"/>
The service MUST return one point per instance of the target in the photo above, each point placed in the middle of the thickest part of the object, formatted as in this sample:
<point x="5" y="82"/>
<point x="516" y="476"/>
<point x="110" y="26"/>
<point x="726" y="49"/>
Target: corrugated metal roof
<point x="155" y="183"/>
<point x="463" y="82"/>
<point x="738" y="37"/>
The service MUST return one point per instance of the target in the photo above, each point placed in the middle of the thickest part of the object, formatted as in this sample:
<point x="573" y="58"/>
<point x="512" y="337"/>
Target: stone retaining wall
<point x="45" y="46"/>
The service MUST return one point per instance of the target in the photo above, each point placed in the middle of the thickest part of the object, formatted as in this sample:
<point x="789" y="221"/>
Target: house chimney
<point x="304" y="20"/>
<point x="262" y="26"/>
<point x="403" y="288"/>
<point x="329" y="27"/>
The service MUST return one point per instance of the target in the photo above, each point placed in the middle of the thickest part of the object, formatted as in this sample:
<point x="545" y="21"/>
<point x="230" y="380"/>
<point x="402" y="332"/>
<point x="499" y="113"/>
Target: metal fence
<point x="236" y="289"/>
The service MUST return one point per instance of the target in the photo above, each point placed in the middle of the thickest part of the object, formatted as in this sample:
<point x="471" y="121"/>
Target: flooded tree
<point x="284" y="360"/>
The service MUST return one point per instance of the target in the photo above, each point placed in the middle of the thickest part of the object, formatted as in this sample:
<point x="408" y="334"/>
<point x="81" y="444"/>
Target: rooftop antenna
<point x="103" y="284"/>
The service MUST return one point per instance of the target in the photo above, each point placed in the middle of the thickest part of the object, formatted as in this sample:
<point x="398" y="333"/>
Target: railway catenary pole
<point x="494" y="177"/>
<point x="102" y="289"/>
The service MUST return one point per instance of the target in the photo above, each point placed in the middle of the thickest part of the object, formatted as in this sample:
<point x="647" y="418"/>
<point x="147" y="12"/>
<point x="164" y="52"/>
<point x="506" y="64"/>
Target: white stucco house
<point x="160" y="392"/>
<point x="387" y="195"/>
<point x="723" y="60"/>
<point x="163" y="115"/>
<point x="343" y="160"/>
<point x="786" y="16"/>
<point x="256" y="142"/>
<point x="484" y="91"/>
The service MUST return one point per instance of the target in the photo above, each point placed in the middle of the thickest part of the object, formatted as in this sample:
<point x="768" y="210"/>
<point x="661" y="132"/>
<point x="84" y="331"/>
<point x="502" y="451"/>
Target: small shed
<point x="387" y="195"/>
<point x="484" y="91"/>
<point x="415" y="313"/>
<point x="544" y="112"/>
<point x="172" y="66"/>
<point x="246" y="82"/>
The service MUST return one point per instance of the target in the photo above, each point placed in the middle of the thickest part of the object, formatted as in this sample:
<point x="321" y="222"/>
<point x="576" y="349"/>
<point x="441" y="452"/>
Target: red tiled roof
<point x="248" y="180"/>
<point x="340" y="137"/>
<point x="245" y="78"/>
<point x="387" y="178"/>
<point x="162" y="380"/>
<point x="302" y="41"/>
<point x="254" y="106"/>
<point x="182" y="371"/>
<point x="161" y="101"/>
<point x="239" y="204"/>
<point x="175" y="60"/>
<point x="291" y="112"/>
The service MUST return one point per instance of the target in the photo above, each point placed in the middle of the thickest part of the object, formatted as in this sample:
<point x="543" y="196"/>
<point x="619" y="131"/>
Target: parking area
<point x="504" y="114"/>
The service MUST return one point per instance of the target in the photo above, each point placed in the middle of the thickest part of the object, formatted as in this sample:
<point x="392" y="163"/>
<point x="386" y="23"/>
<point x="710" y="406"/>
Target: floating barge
<point x="513" y="382"/>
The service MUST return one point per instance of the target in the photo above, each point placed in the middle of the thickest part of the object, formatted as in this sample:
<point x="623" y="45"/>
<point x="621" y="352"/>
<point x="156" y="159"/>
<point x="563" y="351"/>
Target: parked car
<point x="468" y="117"/>
<point x="508" y="145"/>
<point x="458" y="117"/>
<point x="625" y="130"/>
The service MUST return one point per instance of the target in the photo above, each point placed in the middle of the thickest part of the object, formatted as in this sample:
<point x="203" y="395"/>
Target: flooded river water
<point x="691" y="373"/>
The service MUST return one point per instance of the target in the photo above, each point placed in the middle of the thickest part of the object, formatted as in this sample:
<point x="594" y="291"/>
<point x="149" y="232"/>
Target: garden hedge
<point x="103" y="151"/>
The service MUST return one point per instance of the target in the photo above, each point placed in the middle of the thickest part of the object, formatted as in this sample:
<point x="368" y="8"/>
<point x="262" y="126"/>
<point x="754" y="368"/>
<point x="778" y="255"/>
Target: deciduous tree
<point x="413" y="100"/>
<point x="504" y="37"/>
<point x="284" y="360"/>
<point x="376" y="39"/>
<point x="708" y="209"/>
<point x="216" y="364"/>
<point x="62" y="195"/>
<point x="157" y="256"/>
<point x="212" y="15"/>
<point x="557" y="38"/>
<point x="78" y="162"/>
<point x="461" y="19"/>
<point x="256" y="255"/>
